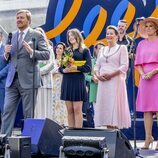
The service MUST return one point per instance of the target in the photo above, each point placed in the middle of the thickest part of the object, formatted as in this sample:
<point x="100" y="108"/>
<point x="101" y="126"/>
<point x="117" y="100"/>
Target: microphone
<point x="33" y="39"/>
<point x="9" y="42"/>
<point x="139" y="19"/>
<point x="9" y="39"/>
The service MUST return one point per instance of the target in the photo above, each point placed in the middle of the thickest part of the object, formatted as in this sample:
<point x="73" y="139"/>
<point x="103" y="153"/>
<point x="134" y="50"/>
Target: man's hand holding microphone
<point x="8" y="47"/>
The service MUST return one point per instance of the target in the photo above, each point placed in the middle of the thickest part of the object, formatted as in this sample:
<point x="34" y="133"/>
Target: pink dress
<point x="112" y="104"/>
<point x="147" y="57"/>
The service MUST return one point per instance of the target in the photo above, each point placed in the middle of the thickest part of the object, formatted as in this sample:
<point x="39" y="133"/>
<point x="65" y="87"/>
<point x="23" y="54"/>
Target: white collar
<point x="24" y="31"/>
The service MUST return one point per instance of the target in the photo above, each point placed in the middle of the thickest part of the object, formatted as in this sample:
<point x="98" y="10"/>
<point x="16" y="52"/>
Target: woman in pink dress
<point x="146" y="63"/>
<point x="111" y="107"/>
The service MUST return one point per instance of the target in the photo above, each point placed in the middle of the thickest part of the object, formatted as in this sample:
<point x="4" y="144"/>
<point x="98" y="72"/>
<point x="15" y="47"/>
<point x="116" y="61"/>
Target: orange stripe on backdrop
<point x="130" y="14"/>
<point x="136" y="77"/>
<point x="155" y="13"/>
<point x="67" y="20"/>
<point x="91" y="39"/>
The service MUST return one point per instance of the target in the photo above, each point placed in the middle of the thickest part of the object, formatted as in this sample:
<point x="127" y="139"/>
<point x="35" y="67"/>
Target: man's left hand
<point x="27" y="47"/>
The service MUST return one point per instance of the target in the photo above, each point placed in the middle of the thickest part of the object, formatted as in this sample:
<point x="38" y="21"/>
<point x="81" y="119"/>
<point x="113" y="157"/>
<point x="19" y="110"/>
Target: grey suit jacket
<point x="22" y="63"/>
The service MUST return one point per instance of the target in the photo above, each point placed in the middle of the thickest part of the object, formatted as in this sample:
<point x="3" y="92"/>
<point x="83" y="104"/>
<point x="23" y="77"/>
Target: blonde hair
<point x="27" y="12"/>
<point x="155" y="25"/>
<point x="39" y="29"/>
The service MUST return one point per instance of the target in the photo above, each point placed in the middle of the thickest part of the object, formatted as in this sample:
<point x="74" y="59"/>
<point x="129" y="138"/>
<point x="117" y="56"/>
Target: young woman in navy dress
<point x="73" y="89"/>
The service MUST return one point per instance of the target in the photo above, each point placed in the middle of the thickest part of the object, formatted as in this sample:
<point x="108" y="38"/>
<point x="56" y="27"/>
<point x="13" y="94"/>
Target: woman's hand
<point x="146" y="76"/>
<point x="104" y="77"/>
<point x="73" y="68"/>
<point x="107" y="76"/>
<point x="66" y="70"/>
<point x="94" y="78"/>
<point x="70" y="69"/>
<point x="100" y="77"/>
<point x="7" y="50"/>
<point x="149" y="75"/>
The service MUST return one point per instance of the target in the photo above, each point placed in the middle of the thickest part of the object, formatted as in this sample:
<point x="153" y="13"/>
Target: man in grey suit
<point x="19" y="81"/>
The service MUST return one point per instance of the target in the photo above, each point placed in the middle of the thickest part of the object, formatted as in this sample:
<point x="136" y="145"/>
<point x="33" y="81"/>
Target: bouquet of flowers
<point x="67" y="59"/>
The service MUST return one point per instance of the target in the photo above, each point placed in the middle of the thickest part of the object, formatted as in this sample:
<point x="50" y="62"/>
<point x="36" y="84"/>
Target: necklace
<point x="108" y="56"/>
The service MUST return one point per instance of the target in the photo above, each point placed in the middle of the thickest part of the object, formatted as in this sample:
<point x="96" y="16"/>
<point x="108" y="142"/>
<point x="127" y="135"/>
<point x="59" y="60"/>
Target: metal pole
<point x="136" y="150"/>
<point x="33" y="83"/>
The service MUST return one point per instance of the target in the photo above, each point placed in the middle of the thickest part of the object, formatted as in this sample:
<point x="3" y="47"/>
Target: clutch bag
<point x="78" y="63"/>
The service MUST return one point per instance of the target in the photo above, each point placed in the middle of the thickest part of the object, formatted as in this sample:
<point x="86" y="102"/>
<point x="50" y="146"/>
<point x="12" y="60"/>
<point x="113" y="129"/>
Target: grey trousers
<point x="13" y="95"/>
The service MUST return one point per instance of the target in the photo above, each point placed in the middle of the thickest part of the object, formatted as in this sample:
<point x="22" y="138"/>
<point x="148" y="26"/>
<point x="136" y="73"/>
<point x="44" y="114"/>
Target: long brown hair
<point x="155" y="25"/>
<point x="64" y="47"/>
<point x="79" y="38"/>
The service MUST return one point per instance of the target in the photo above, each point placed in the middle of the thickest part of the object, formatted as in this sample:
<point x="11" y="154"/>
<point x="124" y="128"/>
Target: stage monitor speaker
<point x="20" y="147"/>
<point x="117" y="143"/>
<point x="77" y="146"/>
<point x="45" y="136"/>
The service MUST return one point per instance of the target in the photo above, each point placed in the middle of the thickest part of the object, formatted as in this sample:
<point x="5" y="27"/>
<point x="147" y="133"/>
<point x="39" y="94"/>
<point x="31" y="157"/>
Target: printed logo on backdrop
<point x="93" y="16"/>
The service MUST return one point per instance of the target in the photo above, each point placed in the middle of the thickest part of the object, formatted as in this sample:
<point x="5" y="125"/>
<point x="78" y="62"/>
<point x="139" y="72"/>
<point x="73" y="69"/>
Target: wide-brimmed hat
<point x="141" y="28"/>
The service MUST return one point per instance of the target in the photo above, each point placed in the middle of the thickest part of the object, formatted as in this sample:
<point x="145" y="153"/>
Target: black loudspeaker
<point x="77" y="146"/>
<point x="117" y="143"/>
<point x="45" y="136"/>
<point x="20" y="147"/>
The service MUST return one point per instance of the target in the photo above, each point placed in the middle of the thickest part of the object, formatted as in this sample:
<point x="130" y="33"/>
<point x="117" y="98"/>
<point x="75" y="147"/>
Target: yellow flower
<point x="67" y="59"/>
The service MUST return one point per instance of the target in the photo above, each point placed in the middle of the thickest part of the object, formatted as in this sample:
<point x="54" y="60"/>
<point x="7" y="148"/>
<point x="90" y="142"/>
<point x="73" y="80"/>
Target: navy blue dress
<point x="73" y="86"/>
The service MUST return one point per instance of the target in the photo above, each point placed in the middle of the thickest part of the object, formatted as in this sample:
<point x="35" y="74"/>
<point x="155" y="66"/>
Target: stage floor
<point x="151" y="153"/>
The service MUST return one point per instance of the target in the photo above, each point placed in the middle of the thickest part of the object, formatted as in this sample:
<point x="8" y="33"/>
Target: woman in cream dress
<point x="44" y="96"/>
<point x="112" y="108"/>
<point x="59" y="108"/>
